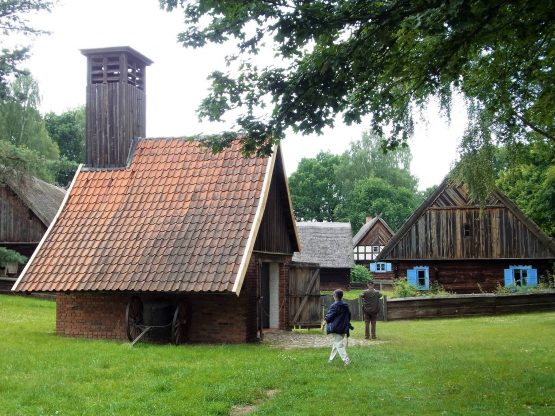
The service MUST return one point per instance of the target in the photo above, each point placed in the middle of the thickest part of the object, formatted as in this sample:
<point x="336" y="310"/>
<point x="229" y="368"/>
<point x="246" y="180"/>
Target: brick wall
<point x="215" y="318"/>
<point x="284" y="296"/>
<point x="91" y="315"/>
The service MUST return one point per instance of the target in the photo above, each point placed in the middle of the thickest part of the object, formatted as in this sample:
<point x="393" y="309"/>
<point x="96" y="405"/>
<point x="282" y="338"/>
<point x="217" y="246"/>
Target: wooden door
<point x="305" y="308"/>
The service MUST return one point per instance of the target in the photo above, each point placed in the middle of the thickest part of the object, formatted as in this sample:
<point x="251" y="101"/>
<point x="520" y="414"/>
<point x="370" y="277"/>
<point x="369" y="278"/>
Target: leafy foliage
<point x="359" y="273"/>
<point x="364" y="181"/>
<point x="10" y="256"/>
<point x="372" y="196"/>
<point x="313" y="187"/>
<point x="68" y="131"/>
<point x="12" y="20"/>
<point x="383" y="58"/>
<point x="16" y="160"/>
<point x="403" y="289"/>
<point x="529" y="180"/>
<point x="20" y="121"/>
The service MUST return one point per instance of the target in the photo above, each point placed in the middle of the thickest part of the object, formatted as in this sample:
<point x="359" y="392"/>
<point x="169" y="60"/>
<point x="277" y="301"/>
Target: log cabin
<point x="27" y="207"/>
<point x="162" y="232"/>
<point x="454" y="242"/>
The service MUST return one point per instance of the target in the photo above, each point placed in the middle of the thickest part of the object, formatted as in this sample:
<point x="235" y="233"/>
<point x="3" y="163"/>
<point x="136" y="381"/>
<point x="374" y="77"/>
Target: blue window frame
<point x="419" y="277"/>
<point x="521" y="276"/>
<point x="380" y="267"/>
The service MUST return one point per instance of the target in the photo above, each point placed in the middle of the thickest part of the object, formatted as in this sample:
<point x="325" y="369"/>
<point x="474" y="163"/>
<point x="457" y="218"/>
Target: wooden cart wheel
<point x="180" y="323"/>
<point x="134" y="317"/>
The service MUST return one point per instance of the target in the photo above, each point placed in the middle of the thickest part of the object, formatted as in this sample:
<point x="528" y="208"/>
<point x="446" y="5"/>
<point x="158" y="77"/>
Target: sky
<point x="177" y="81"/>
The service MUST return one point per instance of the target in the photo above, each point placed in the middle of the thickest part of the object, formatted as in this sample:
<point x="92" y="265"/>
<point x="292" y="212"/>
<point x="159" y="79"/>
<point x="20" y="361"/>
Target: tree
<point x="313" y="188"/>
<point x="372" y="196"/>
<point x="68" y="131"/>
<point x="13" y="21"/>
<point x="384" y="58"/>
<point x="529" y="180"/>
<point x="367" y="157"/>
<point x="20" y="121"/>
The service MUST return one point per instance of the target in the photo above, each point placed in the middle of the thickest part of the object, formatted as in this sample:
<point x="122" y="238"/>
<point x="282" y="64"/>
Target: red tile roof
<point x="177" y="219"/>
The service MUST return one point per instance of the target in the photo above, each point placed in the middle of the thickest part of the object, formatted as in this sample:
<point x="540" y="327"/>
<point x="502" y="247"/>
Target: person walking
<point x="338" y="324"/>
<point x="370" y="308"/>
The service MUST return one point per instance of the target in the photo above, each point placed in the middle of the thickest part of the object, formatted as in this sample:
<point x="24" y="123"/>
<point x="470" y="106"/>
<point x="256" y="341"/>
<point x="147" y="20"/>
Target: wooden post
<point x="384" y="308"/>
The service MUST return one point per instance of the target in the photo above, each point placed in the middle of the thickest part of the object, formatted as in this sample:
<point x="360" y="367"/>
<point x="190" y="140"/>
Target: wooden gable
<point x="378" y="235"/>
<point x="448" y="225"/>
<point x="18" y="223"/>
<point x="277" y="233"/>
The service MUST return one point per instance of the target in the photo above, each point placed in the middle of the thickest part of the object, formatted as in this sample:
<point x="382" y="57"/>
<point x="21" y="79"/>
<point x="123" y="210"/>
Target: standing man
<point x="370" y="308"/>
<point x="338" y="324"/>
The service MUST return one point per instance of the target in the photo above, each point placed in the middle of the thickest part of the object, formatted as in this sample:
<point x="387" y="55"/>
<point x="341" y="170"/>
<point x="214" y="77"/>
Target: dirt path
<point x="288" y="340"/>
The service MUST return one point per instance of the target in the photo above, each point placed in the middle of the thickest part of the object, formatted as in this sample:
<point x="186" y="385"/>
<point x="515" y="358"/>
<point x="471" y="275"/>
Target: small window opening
<point x="421" y="278"/>
<point x="466" y="230"/>
<point x="521" y="277"/>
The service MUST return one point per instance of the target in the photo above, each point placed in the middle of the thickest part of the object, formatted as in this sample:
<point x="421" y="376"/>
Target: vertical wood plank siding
<point x="494" y="233"/>
<point x="18" y="224"/>
<point x="275" y="234"/>
<point x="379" y="235"/>
<point x="115" y="115"/>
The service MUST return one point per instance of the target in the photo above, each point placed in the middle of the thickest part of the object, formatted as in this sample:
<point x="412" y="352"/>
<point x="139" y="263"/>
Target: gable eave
<point x="411" y="220"/>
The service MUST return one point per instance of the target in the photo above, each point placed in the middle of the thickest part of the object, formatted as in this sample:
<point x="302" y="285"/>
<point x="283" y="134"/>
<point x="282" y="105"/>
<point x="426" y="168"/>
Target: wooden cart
<point x="142" y="317"/>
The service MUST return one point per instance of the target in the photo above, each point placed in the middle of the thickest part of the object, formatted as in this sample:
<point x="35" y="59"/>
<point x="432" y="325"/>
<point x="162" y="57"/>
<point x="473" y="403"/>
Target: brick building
<point x="167" y="231"/>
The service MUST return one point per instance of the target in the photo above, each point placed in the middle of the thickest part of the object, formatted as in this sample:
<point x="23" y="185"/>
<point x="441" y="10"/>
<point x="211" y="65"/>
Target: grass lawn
<point x="473" y="366"/>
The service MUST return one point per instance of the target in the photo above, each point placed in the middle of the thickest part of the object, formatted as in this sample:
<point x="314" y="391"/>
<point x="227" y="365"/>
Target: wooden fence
<point x="454" y="305"/>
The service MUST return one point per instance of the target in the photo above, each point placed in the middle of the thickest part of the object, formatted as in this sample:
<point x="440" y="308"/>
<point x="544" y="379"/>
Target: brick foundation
<point x="215" y="318"/>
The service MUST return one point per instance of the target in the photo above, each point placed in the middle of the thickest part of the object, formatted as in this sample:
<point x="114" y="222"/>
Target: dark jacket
<point x="338" y="318"/>
<point x="371" y="301"/>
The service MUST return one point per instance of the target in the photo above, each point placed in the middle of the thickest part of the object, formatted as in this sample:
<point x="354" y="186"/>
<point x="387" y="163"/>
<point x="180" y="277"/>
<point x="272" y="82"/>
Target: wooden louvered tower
<point x="115" y="104"/>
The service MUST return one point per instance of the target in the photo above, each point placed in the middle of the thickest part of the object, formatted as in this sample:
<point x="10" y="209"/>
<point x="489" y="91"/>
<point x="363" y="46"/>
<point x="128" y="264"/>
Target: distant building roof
<point x="42" y="198"/>
<point x="365" y="229"/>
<point x="326" y="243"/>
<point x="177" y="219"/>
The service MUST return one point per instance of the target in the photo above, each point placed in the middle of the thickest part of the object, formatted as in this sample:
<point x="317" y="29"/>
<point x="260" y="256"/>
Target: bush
<point x="10" y="256"/>
<point x="359" y="273"/>
<point x="402" y="289"/>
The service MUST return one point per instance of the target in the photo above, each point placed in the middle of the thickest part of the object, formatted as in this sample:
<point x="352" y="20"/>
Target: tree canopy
<point x="13" y="20"/>
<point x="363" y="181"/>
<point x="382" y="58"/>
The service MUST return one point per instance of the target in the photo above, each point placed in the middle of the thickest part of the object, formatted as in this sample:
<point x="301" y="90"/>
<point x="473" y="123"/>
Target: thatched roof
<point x="326" y="243"/>
<point x="42" y="198"/>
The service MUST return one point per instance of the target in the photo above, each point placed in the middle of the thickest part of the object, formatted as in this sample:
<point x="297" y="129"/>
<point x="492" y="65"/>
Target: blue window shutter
<point x="388" y="267"/>
<point x="532" y="278"/>
<point x="373" y="267"/>
<point x="411" y="277"/>
<point x="509" y="277"/>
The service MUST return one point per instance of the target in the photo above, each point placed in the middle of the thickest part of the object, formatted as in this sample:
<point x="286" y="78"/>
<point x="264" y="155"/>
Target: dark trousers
<point x="370" y="318"/>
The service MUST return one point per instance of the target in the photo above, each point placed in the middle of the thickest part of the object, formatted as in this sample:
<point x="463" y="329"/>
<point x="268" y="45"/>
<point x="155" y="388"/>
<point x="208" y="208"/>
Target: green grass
<point x="473" y="366"/>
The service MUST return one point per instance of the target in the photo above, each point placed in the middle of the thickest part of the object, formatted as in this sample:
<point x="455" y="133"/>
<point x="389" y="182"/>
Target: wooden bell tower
<point x="115" y="105"/>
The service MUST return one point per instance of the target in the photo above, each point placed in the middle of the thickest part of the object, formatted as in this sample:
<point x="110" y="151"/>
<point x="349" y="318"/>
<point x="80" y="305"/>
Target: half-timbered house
<point x="367" y="245"/>
<point x="454" y="242"/>
<point x="27" y="207"/>
<point x="167" y="232"/>
<point x="329" y="245"/>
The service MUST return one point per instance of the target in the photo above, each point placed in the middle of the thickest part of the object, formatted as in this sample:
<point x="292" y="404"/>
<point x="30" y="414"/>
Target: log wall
<point x="468" y="305"/>
<point x="474" y="276"/>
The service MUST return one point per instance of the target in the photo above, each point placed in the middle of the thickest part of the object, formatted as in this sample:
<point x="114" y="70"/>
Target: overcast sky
<point x="176" y="81"/>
